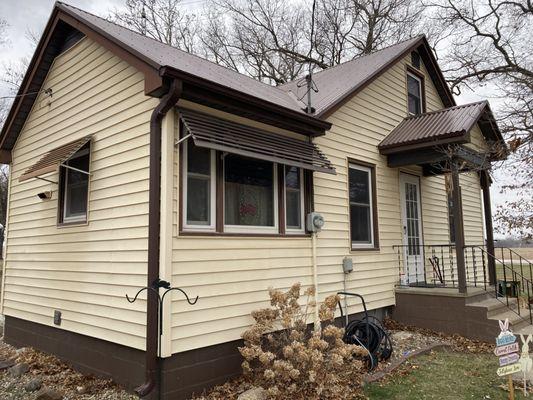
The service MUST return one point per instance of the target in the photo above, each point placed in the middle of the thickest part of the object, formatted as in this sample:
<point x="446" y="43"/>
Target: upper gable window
<point x="74" y="189"/>
<point x="414" y="94"/>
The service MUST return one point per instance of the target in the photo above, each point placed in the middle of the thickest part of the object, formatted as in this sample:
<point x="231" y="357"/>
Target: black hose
<point x="369" y="333"/>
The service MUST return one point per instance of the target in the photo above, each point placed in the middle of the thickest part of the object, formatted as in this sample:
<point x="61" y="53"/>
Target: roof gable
<point x="156" y="61"/>
<point x="338" y="84"/>
<point x="160" y="55"/>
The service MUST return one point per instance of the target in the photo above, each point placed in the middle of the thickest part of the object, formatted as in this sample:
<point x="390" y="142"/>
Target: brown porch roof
<point x="442" y="126"/>
<point x="53" y="159"/>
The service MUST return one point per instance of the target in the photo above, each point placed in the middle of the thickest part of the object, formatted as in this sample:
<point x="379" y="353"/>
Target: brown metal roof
<point x="219" y="134"/>
<point x="340" y="82"/>
<point x="454" y="122"/>
<point x="159" y="54"/>
<point x="51" y="161"/>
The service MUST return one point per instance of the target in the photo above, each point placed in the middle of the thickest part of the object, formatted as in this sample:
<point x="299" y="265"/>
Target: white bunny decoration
<point x="525" y="360"/>
<point x="504" y="327"/>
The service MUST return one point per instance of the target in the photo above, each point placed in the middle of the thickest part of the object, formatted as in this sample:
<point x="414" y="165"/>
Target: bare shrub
<point x="290" y="360"/>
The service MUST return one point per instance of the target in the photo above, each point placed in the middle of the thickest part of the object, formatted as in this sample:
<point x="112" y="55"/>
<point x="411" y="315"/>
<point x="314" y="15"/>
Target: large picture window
<point x="229" y="193"/>
<point x="249" y="193"/>
<point x="363" y="223"/>
<point x="74" y="187"/>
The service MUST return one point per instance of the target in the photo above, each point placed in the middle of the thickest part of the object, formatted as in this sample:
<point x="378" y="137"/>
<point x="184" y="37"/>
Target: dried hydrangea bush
<point x="290" y="360"/>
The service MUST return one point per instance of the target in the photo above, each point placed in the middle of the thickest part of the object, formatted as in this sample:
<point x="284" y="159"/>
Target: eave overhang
<point x="156" y="82"/>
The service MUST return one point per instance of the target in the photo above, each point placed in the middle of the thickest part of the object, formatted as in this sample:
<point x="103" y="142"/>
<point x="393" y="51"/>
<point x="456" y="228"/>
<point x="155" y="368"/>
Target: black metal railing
<point x="513" y="282"/>
<point x="427" y="265"/>
<point x="515" y="260"/>
<point x="436" y="266"/>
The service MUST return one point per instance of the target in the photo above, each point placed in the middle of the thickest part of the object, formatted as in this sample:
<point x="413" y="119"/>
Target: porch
<point x="461" y="287"/>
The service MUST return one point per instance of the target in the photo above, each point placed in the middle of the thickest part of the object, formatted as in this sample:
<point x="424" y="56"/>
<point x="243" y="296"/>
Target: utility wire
<point x="49" y="91"/>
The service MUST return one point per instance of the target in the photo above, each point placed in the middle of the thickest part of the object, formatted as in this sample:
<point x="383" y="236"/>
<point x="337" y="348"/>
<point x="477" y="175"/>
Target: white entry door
<point x="413" y="249"/>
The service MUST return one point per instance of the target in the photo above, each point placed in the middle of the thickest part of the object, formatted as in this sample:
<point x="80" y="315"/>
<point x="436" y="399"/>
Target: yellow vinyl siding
<point x="84" y="271"/>
<point x="231" y="275"/>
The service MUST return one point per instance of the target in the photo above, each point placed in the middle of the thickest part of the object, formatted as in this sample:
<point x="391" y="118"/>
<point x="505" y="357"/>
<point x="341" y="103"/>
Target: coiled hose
<point x="369" y="333"/>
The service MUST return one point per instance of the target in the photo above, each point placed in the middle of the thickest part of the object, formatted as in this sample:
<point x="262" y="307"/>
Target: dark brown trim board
<point x="152" y="366"/>
<point x="86" y="354"/>
<point x="182" y="375"/>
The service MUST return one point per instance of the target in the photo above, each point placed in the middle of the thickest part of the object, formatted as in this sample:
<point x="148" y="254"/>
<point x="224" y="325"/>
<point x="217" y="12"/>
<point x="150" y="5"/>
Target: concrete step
<point x="495" y="306"/>
<point x="516" y="321"/>
<point x="525" y="329"/>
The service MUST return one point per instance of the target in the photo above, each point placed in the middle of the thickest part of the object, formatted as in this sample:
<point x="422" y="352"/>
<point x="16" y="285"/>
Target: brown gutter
<point x="168" y="101"/>
<point x="317" y="124"/>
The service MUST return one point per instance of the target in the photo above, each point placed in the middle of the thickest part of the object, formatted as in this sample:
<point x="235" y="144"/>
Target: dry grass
<point x="526" y="252"/>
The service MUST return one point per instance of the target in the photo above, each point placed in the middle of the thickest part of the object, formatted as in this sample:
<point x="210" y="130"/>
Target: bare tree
<point x="380" y="23"/>
<point x="164" y="20"/>
<point x="272" y="40"/>
<point x="489" y="44"/>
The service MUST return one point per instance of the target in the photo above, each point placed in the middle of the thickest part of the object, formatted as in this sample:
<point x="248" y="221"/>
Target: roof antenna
<point x="309" y="78"/>
<point x="143" y="19"/>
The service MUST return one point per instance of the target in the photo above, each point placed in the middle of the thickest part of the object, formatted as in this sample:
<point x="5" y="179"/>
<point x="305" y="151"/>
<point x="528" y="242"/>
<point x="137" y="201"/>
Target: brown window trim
<point x="219" y="196"/>
<point x="61" y="197"/>
<point x="375" y="246"/>
<point x="419" y="75"/>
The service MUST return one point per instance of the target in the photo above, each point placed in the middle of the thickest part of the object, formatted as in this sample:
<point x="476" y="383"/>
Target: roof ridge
<point x="175" y="48"/>
<point x="446" y="109"/>
<point x="359" y="57"/>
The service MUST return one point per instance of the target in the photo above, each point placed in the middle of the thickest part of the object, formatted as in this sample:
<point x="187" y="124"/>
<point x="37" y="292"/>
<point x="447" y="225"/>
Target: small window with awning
<point x="71" y="162"/>
<point x="52" y="160"/>
<point x="239" y="179"/>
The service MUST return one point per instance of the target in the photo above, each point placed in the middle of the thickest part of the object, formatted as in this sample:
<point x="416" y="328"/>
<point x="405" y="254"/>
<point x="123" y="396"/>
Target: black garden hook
<point x="160" y="284"/>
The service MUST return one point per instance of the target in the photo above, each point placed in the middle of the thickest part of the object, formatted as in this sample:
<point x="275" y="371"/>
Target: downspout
<point x="152" y="366"/>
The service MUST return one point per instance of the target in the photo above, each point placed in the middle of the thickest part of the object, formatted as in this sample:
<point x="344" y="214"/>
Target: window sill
<point x="244" y="234"/>
<point x="353" y="249"/>
<point x="72" y="223"/>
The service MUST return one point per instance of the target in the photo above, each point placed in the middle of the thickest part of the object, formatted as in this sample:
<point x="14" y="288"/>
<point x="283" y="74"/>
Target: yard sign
<point x="506" y="349"/>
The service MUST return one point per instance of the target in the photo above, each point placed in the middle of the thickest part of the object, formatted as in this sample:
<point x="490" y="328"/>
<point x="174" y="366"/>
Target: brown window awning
<point x="219" y="134"/>
<point x="53" y="159"/>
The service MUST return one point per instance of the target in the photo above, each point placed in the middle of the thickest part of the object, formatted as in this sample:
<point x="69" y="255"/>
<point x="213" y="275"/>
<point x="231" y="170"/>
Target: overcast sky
<point x="21" y="19"/>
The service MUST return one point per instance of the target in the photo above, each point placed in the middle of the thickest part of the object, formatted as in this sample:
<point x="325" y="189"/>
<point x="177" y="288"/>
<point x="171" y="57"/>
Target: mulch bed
<point x="408" y="342"/>
<point x="55" y="375"/>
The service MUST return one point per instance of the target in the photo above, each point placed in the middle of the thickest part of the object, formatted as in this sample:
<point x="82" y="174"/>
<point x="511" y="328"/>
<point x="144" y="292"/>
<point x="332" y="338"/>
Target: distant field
<point x="526" y="252"/>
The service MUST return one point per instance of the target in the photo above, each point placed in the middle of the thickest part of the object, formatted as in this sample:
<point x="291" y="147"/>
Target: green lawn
<point x="444" y="375"/>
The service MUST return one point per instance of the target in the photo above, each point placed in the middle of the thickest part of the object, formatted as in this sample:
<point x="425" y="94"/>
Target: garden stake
<point x="525" y="359"/>
<point x="511" y="388"/>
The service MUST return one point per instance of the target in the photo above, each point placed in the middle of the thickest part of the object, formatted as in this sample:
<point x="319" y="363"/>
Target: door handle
<point x="405" y="230"/>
